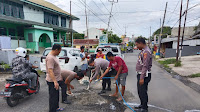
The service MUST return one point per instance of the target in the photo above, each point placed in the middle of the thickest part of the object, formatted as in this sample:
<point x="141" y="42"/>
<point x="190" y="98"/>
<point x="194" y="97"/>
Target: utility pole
<point x="150" y="38"/>
<point x="70" y="24"/>
<point x="125" y="30"/>
<point x="113" y="1"/>
<point x="86" y="18"/>
<point x="179" y="31"/>
<point x="160" y="22"/>
<point x="184" y="28"/>
<point x="159" y="39"/>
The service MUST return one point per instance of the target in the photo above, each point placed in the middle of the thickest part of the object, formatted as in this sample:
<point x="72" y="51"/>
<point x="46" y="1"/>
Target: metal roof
<point x="26" y="22"/>
<point x="49" y="6"/>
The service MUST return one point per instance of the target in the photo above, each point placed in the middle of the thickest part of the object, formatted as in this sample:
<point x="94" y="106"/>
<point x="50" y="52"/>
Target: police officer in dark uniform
<point x="143" y="70"/>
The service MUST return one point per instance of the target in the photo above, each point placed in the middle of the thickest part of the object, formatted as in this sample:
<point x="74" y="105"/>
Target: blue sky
<point x="136" y="15"/>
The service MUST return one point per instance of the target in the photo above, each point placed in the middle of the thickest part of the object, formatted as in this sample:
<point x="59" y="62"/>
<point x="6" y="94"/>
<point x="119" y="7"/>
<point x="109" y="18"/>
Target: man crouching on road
<point x="68" y="76"/>
<point x="54" y="80"/>
<point x="122" y="72"/>
<point x="143" y="69"/>
<point x="101" y="64"/>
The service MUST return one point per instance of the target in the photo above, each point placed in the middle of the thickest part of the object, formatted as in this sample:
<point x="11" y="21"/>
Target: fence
<point x="187" y="51"/>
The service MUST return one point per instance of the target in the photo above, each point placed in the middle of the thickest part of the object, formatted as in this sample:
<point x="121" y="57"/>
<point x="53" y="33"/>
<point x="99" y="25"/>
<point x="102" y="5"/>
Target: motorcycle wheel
<point x="11" y="101"/>
<point x="38" y="88"/>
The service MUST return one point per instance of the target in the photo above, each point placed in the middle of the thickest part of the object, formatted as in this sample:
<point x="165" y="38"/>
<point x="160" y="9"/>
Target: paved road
<point x="165" y="92"/>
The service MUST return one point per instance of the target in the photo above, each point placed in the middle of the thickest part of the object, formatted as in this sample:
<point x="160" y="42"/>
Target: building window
<point x="11" y="32"/>
<point x="20" y="33"/>
<point x="51" y="19"/>
<point x="1" y="8"/>
<point x="3" y="31"/>
<point x="10" y="8"/>
<point x="6" y="8"/>
<point x="30" y="37"/>
<point x="21" y="12"/>
<point x="55" y="38"/>
<point x="63" y="21"/>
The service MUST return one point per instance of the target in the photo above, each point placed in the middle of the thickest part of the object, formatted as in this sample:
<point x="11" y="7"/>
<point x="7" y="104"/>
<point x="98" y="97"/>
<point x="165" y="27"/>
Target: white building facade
<point x="94" y="33"/>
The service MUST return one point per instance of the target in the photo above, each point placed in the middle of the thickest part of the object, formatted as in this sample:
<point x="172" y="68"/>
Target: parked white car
<point x="115" y="49"/>
<point x="69" y="59"/>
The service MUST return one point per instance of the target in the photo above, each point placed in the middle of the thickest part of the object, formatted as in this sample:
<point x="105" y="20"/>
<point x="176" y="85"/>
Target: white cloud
<point x="138" y="15"/>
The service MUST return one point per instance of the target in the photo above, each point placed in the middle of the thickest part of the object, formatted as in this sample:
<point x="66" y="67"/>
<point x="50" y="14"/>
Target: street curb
<point x="183" y="79"/>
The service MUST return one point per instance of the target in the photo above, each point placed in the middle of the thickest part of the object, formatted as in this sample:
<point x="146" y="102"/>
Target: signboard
<point x="103" y="39"/>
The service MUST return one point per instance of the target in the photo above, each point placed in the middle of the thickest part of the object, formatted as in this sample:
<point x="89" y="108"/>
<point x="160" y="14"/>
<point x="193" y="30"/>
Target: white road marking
<point x="192" y="110"/>
<point x="135" y="104"/>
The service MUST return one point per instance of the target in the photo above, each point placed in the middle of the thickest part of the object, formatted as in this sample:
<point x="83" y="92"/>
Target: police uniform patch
<point x="145" y="55"/>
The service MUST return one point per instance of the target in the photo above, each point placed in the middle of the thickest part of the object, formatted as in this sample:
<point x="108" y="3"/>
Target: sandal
<point x="59" y="109"/>
<point x="119" y="99"/>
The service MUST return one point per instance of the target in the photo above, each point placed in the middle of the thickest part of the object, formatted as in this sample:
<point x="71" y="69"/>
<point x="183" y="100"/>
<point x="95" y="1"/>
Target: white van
<point x="69" y="59"/>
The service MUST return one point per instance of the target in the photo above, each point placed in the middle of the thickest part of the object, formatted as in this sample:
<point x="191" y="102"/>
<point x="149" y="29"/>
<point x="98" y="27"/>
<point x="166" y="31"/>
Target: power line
<point x="184" y="13"/>
<point x="113" y="16"/>
<point x="97" y="5"/>
<point x="193" y="20"/>
<point x="104" y="6"/>
<point x="88" y="7"/>
<point x="173" y="12"/>
<point x="92" y="11"/>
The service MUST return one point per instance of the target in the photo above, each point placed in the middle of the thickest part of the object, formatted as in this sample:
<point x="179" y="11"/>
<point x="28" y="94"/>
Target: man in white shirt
<point x="84" y="65"/>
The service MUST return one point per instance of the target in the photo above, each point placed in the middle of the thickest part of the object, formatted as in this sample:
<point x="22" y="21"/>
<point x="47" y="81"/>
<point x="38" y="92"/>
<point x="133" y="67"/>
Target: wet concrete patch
<point x="90" y="101"/>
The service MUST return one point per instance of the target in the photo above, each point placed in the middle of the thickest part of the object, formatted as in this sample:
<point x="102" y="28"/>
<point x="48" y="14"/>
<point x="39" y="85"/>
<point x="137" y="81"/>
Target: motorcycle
<point x="17" y="89"/>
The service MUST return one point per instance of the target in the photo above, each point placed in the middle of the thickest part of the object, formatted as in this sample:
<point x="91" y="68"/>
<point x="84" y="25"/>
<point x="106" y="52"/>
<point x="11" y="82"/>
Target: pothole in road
<point x="90" y="101"/>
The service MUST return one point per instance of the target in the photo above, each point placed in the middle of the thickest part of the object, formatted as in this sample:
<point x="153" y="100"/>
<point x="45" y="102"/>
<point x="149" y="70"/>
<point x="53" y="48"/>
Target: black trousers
<point x="54" y="95"/>
<point x="142" y="90"/>
<point x="107" y="81"/>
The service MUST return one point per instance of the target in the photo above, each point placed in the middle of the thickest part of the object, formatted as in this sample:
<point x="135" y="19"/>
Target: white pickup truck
<point x="115" y="49"/>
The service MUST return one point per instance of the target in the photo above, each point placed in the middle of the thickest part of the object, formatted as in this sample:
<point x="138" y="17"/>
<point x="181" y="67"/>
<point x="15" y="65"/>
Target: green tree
<point x="130" y="44"/>
<point x="78" y="36"/>
<point x="142" y="37"/>
<point x="166" y="31"/>
<point x="112" y="38"/>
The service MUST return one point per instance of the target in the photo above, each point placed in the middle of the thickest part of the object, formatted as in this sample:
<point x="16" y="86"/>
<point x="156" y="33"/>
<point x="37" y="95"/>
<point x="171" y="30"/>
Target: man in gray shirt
<point x="101" y="64"/>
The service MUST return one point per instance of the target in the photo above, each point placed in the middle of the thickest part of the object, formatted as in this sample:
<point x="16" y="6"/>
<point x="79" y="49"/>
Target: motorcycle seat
<point x="15" y="79"/>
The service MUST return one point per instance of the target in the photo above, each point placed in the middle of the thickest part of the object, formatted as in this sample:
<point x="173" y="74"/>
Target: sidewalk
<point x="190" y="66"/>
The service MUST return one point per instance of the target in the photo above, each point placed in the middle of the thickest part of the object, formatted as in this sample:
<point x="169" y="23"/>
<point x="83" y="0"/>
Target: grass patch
<point x="194" y="75"/>
<point x="178" y="64"/>
<point x="168" y="61"/>
<point x="166" y="66"/>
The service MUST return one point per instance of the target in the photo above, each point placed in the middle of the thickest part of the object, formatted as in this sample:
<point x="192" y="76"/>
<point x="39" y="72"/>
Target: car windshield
<point x="62" y="53"/>
<point x="74" y="52"/>
<point x="108" y="49"/>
